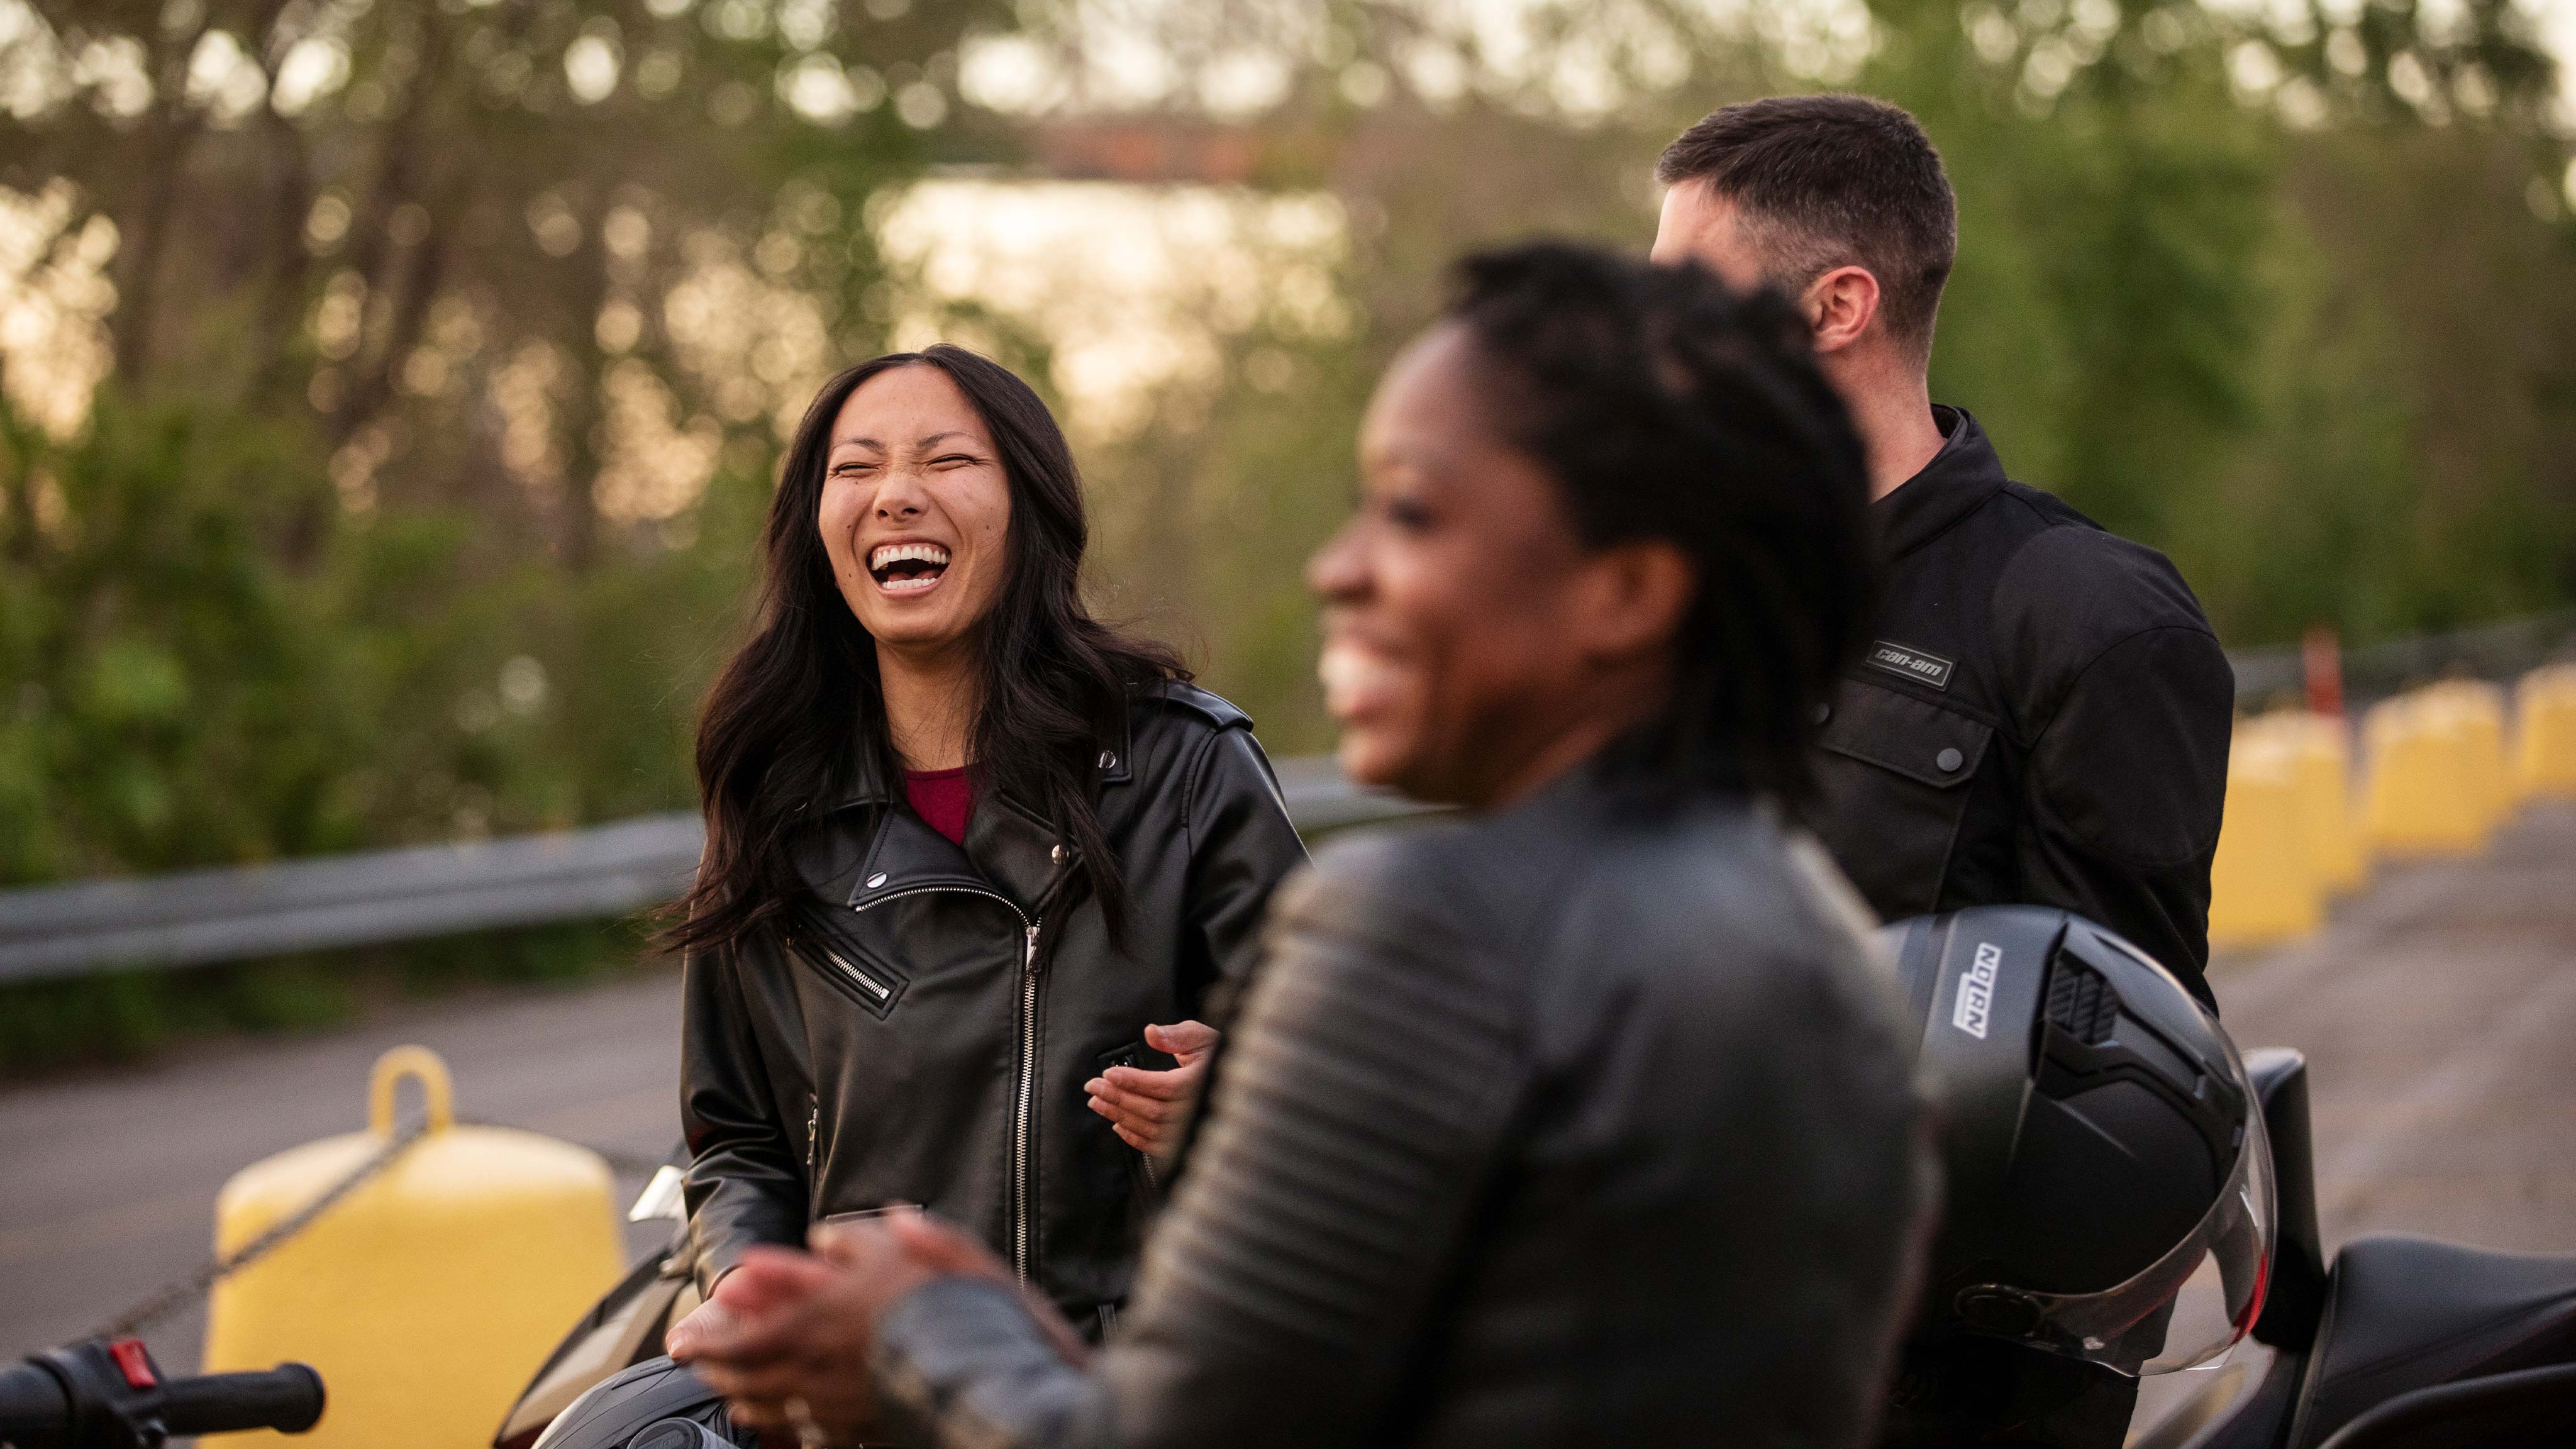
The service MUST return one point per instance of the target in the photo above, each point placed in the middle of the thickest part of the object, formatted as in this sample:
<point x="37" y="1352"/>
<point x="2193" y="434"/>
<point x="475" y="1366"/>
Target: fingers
<point x="945" y="1249"/>
<point x="1120" y="1104"/>
<point x="1183" y="1039"/>
<point x="767" y="1277"/>
<point x="1179" y="1084"/>
<point x="706" y="1324"/>
<point x="1139" y="1123"/>
<point x="753" y="1314"/>
<point x="863" y="1247"/>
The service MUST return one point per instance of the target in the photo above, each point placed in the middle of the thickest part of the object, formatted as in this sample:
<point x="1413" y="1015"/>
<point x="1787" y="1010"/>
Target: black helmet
<point x="656" y="1404"/>
<point x="2109" y="1184"/>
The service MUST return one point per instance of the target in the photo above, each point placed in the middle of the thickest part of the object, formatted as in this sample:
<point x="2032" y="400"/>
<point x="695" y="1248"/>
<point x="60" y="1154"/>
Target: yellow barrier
<point x="430" y="1294"/>
<point x="2320" y="760"/>
<point x="2263" y="888"/>
<point x="2477" y="707"/>
<point x="2426" y="793"/>
<point x="2545" y="731"/>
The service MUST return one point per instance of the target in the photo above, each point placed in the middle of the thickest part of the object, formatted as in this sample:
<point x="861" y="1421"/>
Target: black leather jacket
<point x="1587" y="1123"/>
<point x="910" y="1041"/>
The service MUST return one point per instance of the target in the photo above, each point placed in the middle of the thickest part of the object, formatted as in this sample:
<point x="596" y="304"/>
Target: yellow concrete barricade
<point x="2425" y="795"/>
<point x="2545" y="731"/>
<point x="2263" y="888"/>
<point x="2320" y="760"/>
<point x="2477" y="710"/>
<point x="431" y="1292"/>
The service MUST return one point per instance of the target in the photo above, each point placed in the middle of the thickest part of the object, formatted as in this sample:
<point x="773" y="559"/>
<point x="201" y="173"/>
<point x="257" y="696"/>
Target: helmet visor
<point x="2189" y="1307"/>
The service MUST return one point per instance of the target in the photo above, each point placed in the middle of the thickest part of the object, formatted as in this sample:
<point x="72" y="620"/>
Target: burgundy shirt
<point x="944" y="800"/>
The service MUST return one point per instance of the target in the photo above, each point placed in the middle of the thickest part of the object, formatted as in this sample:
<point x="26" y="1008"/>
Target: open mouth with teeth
<point x="908" y="568"/>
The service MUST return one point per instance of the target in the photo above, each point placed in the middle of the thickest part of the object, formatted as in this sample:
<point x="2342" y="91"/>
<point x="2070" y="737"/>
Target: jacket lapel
<point x="861" y="847"/>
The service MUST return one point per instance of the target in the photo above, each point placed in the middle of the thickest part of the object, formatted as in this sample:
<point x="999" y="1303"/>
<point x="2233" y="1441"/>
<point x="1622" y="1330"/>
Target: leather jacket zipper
<point x="865" y="982"/>
<point x="1024" y="1100"/>
<point x="813" y="1130"/>
<point x="1021" y="1187"/>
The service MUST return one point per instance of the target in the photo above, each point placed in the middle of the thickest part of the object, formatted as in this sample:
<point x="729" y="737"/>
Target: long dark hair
<point x="789" y="721"/>
<point x="1666" y="406"/>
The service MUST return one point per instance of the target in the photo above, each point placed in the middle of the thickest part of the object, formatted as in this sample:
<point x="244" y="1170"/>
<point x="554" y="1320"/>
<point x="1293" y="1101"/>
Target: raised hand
<point x="1146" y="1109"/>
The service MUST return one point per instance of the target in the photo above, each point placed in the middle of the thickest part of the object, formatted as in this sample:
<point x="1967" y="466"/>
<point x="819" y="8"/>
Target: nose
<point x="900" y="497"/>
<point x="1338" y="572"/>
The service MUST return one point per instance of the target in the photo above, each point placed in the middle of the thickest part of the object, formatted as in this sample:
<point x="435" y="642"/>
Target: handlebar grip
<point x="287" y="1398"/>
<point x="34" y="1410"/>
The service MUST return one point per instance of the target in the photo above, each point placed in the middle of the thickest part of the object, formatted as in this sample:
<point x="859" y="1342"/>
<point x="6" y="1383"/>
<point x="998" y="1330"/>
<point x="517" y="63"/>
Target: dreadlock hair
<point x="1665" y="406"/>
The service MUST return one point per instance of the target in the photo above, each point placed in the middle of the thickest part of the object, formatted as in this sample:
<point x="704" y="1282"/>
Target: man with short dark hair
<point x="2042" y="712"/>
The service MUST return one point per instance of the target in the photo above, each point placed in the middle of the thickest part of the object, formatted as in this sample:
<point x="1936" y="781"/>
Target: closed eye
<point x="1407" y="513"/>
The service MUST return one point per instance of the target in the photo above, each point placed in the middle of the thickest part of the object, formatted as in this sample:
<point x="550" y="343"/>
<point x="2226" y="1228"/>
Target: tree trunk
<point x="167" y="137"/>
<point x="578" y="419"/>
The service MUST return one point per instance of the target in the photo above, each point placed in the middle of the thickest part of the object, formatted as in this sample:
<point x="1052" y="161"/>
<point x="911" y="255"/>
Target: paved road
<point x="2438" y="1012"/>
<point x="111" y="1180"/>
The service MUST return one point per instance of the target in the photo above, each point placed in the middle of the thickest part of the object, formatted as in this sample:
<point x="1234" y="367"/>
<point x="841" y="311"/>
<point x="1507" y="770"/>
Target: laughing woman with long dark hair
<point x="974" y="860"/>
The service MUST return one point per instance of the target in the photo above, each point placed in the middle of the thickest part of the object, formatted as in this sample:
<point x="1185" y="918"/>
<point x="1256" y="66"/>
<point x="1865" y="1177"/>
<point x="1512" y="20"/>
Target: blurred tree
<point x="447" y="346"/>
<point x="2281" y="289"/>
<point x="491" y="243"/>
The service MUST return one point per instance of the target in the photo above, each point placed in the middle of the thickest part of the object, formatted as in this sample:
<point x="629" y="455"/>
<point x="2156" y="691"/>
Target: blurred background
<point x="390" y="391"/>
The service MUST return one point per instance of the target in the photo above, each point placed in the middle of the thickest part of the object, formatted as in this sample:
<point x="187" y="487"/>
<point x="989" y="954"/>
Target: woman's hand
<point x="786" y="1337"/>
<point x="1145" y="1108"/>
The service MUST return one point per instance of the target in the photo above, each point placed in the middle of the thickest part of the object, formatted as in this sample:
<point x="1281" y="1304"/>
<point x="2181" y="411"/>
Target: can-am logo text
<point x="1977" y="991"/>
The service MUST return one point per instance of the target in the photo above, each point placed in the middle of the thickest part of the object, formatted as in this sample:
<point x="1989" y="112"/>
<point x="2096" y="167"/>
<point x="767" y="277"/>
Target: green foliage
<point x="360" y="546"/>
<point x="211" y="665"/>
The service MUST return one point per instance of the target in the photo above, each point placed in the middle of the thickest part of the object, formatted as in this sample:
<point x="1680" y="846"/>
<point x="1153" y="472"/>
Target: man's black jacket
<point x="922" y="1032"/>
<point x="2041" y="716"/>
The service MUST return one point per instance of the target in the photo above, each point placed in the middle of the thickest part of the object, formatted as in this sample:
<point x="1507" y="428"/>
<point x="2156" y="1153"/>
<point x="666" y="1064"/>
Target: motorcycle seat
<point x="2406" y="1313"/>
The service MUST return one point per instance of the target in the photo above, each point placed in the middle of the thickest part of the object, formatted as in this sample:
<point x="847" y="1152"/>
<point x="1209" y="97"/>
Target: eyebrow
<point x="925" y="444"/>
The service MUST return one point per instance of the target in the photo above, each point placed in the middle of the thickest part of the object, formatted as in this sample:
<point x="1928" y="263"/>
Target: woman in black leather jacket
<point x="974" y="862"/>
<point x="1584" y="1119"/>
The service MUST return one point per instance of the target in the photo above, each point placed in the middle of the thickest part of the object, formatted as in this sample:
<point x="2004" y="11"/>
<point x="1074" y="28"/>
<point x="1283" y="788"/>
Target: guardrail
<point x="2499" y="650"/>
<point x="201" y="917"/>
<point x="198" y="918"/>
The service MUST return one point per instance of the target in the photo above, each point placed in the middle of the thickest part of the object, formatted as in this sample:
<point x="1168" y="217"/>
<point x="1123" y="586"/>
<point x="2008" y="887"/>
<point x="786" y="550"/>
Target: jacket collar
<point x="868" y="785"/>
<point x="1009" y="848"/>
<point x="1958" y="480"/>
<point x="864" y="856"/>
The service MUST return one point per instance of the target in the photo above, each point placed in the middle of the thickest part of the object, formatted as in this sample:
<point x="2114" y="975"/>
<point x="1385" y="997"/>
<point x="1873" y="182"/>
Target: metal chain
<point x="196" y="1285"/>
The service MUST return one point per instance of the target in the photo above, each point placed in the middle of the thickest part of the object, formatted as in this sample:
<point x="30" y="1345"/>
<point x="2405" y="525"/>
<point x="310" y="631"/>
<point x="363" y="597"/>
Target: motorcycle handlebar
<point x="35" y="1412"/>
<point x="102" y="1395"/>
<point x="287" y="1398"/>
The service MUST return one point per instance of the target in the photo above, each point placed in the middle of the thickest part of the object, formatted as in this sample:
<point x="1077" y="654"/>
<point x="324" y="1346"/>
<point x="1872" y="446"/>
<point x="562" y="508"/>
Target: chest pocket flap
<point x="1898" y="732"/>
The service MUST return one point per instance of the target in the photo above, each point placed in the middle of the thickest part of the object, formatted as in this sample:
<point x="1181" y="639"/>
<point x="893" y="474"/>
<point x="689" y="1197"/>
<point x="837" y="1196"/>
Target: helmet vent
<point x="2081" y="1003"/>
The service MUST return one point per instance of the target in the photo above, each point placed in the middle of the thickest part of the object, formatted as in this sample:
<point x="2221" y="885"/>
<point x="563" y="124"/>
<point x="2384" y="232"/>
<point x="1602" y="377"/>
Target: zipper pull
<point x="813" y="1129"/>
<point x="1029" y="957"/>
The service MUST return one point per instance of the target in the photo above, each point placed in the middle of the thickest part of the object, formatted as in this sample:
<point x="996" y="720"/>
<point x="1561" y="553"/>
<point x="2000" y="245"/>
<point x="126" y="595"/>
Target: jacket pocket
<point x="1892" y="774"/>
<point x="832" y="950"/>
